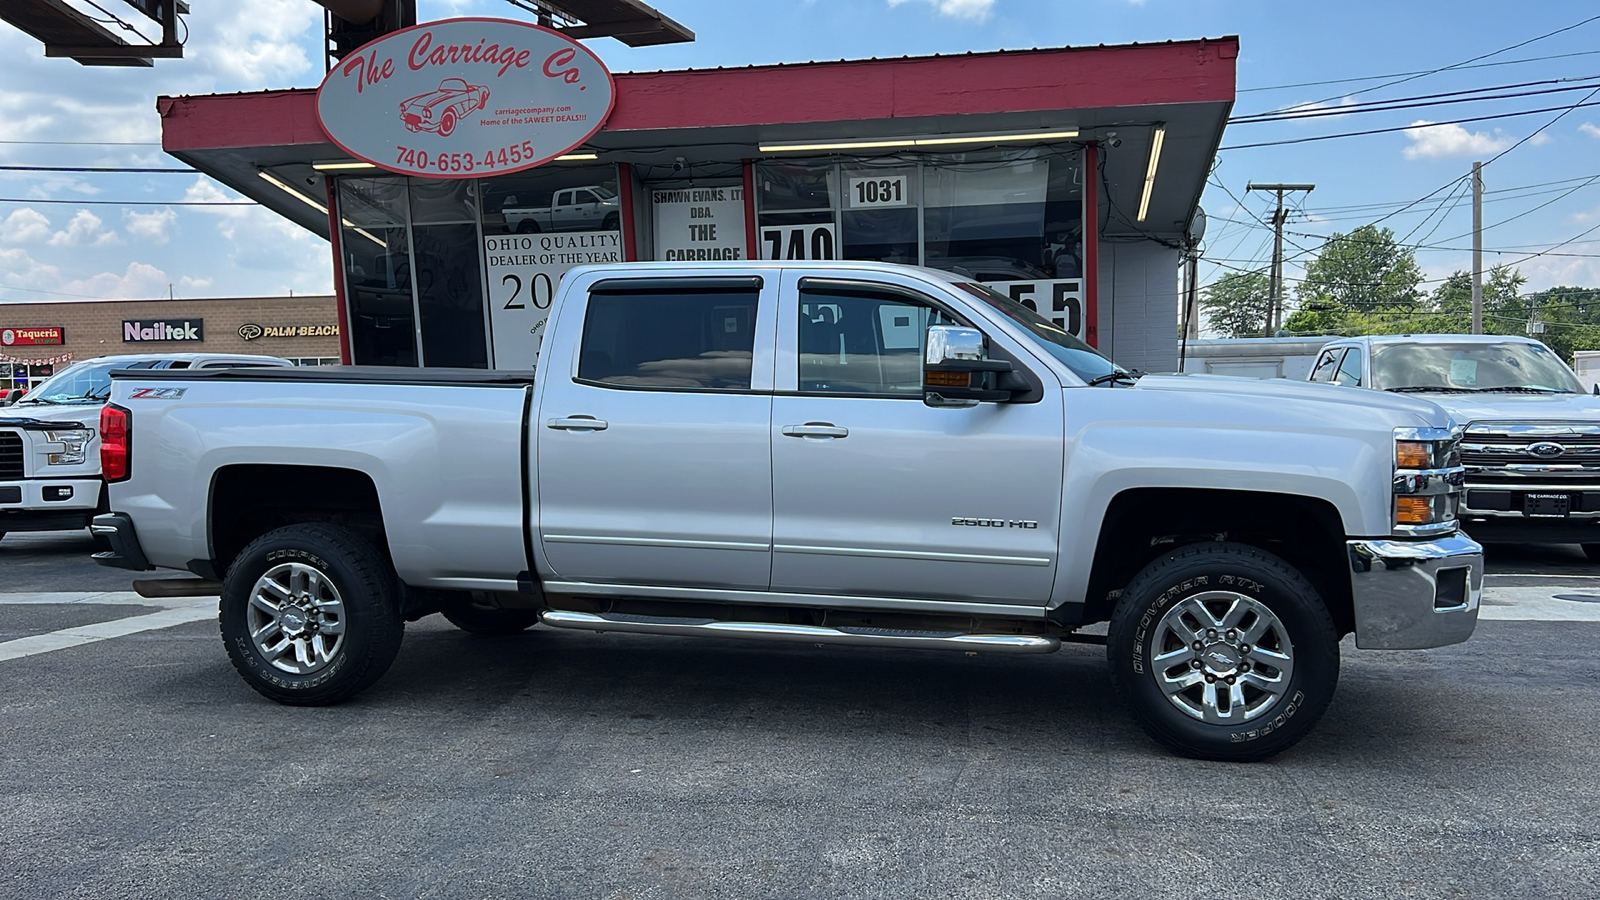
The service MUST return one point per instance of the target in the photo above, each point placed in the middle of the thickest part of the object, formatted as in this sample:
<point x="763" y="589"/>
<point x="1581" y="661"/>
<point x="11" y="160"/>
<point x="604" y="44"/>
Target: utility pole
<point x="1477" y="248"/>
<point x="1275" y="305"/>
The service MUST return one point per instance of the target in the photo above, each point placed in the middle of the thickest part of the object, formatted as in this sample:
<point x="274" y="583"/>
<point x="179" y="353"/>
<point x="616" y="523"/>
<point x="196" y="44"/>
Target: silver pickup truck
<point x="828" y="453"/>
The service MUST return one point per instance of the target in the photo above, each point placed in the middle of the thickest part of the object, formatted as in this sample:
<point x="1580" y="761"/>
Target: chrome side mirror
<point x="956" y="372"/>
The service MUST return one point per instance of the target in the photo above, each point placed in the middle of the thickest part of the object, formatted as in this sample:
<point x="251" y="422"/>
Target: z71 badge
<point x="157" y="393"/>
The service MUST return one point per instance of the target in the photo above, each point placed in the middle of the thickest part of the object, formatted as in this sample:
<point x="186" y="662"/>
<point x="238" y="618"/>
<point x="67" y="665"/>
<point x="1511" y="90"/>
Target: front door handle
<point x="577" y="423"/>
<point x="822" y="430"/>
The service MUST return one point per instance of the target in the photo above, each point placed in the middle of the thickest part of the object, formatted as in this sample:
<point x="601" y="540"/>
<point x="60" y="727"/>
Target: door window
<point x="1326" y="365"/>
<point x="668" y="339"/>
<point x="863" y="343"/>
<point x="1349" y="373"/>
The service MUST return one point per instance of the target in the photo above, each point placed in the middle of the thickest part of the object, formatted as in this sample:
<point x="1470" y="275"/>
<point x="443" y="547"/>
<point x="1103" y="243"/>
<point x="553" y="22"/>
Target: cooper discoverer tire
<point x="308" y="614"/>
<point x="1223" y="651"/>
<point x="490" y="620"/>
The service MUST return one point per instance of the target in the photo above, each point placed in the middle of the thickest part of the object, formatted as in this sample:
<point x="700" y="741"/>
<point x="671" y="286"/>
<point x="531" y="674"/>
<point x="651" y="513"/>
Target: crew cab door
<point x="876" y="493"/>
<point x="653" y="461"/>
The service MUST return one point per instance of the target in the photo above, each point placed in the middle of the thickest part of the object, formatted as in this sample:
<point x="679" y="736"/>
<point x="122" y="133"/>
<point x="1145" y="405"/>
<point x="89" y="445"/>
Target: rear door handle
<point x="577" y="423"/>
<point x="822" y="430"/>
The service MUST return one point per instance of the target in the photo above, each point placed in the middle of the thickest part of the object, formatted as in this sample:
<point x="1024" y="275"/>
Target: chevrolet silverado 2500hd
<point x="1532" y="443"/>
<point x="831" y="453"/>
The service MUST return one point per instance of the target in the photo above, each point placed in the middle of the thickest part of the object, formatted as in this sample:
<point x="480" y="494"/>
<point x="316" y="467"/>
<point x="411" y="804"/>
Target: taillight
<point x="115" y="435"/>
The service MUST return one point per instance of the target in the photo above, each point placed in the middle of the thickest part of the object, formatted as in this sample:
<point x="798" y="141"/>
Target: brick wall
<point x="94" y="328"/>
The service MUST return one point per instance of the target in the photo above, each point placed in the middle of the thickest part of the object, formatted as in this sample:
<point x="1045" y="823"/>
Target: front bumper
<point x="47" y="504"/>
<point x="1412" y="595"/>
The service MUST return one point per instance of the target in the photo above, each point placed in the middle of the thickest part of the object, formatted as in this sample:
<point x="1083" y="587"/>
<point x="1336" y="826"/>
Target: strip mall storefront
<point x="1065" y="177"/>
<point x="37" y="339"/>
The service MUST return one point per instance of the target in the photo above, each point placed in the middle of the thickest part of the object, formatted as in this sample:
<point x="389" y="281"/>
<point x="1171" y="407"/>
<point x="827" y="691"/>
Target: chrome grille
<point x="1516" y="453"/>
<point x="10" y="454"/>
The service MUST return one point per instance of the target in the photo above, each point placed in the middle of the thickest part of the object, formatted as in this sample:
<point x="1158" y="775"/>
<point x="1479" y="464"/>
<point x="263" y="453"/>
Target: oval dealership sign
<point x="465" y="98"/>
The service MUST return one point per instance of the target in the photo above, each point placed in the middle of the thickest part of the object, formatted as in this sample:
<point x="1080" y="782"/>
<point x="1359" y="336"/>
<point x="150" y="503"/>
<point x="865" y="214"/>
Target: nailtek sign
<point x="465" y="98"/>
<point x="145" y="331"/>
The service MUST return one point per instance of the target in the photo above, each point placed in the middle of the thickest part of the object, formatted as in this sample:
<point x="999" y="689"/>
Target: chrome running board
<point x="807" y="634"/>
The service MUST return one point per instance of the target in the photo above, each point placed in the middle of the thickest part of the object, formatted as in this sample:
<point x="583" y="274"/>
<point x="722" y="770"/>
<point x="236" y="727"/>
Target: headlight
<point x="74" y="446"/>
<point x="1428" y="480"/>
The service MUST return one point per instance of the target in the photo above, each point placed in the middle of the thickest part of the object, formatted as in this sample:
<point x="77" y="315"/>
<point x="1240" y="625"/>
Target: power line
<point x="104" y="143"/>
<point x="1508" y="62"/>
<point x="1329" y="137"/>
<point x="1458" y="65"/>
<point x="1304" y="112"/>
<point x="134" y="202"/>
<point x="121" y="169"/>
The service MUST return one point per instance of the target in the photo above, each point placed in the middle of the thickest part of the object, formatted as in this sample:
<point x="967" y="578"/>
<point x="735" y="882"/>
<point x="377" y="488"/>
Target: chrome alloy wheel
<point x="296" y="618"/>
<point x="1221" y="657"/>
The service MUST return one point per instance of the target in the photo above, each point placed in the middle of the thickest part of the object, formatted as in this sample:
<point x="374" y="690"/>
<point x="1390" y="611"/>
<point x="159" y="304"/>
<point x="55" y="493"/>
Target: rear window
<point x="687" y="340"/>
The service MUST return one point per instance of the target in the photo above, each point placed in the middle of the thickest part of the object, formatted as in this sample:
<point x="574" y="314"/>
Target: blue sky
<point x="106" y="117"/>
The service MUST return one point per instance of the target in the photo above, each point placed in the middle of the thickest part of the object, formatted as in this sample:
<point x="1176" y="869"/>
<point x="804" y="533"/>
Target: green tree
<point x="1354" y="277"/>
<point x="1235" y="305"/>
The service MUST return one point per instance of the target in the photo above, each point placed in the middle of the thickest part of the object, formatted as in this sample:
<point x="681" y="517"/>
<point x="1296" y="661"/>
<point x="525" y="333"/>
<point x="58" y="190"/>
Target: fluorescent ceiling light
<point x="1150" y="173"/>
<point x="572" y="157"/>
<point x="268" y="177"/>
<point x="340" y="166"/>
<point x="931" y="141"/>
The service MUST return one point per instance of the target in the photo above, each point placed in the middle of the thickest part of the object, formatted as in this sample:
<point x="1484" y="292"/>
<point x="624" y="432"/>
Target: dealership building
<point x="1067" y="177"/>
<point x="37" y="339"/>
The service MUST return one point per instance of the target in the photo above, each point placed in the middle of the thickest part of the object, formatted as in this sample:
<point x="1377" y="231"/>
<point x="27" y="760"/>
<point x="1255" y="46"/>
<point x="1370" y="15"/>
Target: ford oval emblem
<point x="1546" y="449"/>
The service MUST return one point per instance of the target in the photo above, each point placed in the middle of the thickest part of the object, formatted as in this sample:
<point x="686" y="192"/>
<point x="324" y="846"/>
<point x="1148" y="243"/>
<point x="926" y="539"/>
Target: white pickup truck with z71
<point x="830" y="453"/>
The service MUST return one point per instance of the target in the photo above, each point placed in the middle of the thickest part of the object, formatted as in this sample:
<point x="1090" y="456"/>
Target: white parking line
<point x="175" y="611"/>
<point x="1538" y="604"/>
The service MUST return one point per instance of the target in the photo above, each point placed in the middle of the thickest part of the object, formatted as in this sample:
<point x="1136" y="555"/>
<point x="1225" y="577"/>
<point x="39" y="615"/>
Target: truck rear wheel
<point x="489" y="619"/>
<point x="308" y="614"/>
<point x="1223" y="651"/>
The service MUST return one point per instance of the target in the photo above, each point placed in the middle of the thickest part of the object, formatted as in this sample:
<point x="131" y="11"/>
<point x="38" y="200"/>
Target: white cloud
<point x="1539" y="139"/>
<point x="151" y="227"/>
<point x="1430" y="141"/>
<point x="25" y="226"/>
<point x="204" y="190"/>
<point x="20" y="268"/>
<point x="1306" y="109"/>
<point x="86" y="228"/>
<point x="1590" y="129"/>
<point x="977" y="10"/>
<point x="140" y="281"/>
<point x="260" y="41"/>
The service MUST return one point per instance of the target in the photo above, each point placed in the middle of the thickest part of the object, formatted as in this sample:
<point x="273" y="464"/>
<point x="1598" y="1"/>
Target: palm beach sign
<point x="465" y="98"/>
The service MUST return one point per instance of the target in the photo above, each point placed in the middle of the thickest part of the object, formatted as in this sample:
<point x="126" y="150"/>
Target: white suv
<point x="49" y="452"/>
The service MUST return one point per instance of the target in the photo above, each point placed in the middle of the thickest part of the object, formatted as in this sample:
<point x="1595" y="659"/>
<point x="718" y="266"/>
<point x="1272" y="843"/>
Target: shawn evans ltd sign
<point x="465" y="98"/>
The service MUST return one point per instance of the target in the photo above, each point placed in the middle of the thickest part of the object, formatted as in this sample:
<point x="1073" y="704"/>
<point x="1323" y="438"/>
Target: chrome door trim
<point x="766" y="598"/>
<point x="656" y="542"/>
<point x="914" y="554"/>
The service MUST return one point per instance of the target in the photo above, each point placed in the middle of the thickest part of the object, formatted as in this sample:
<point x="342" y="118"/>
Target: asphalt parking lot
<point x="135" y="763"/>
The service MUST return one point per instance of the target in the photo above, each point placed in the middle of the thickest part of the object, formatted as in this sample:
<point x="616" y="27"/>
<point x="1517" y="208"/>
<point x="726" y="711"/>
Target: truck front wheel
<point x="1223" y="651"/>
<point x="308" y="614"/>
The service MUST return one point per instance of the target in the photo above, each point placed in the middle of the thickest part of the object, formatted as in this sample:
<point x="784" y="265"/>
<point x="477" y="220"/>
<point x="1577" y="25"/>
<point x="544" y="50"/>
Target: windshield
<point x="85" y="382"/>
<point x="1082" y="359"/>
<point x="1511" y="367"/>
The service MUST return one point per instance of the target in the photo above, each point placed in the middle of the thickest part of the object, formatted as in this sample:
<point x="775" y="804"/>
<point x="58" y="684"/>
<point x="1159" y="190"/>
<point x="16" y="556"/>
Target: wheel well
<point x="1141" y="524"/>
<point x="251" y="500"/>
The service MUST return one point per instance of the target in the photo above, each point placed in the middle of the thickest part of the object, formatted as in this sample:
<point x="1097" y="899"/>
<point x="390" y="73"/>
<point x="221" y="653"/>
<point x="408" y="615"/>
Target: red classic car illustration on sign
<point x="439" y="110"/>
